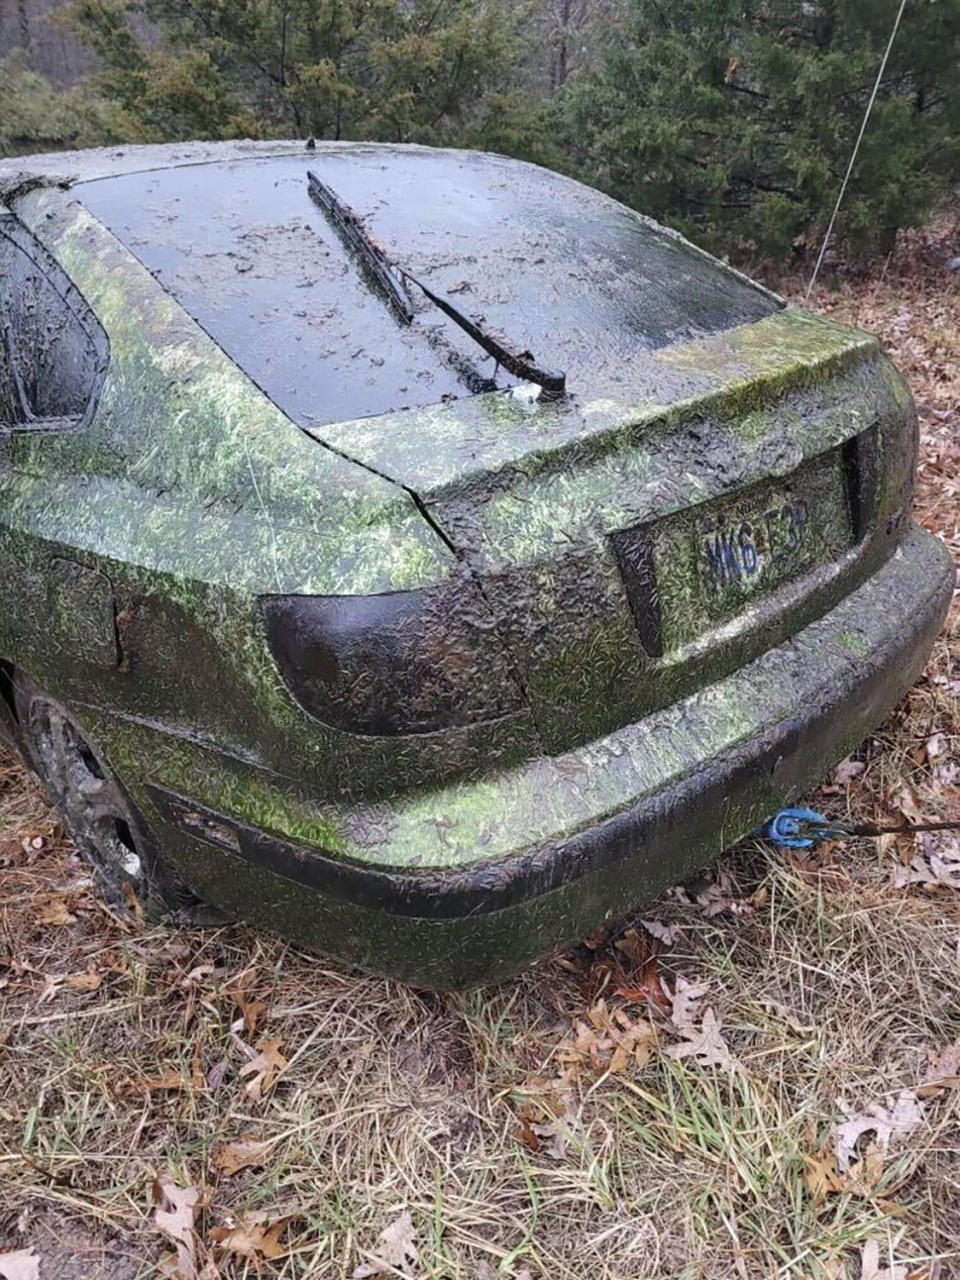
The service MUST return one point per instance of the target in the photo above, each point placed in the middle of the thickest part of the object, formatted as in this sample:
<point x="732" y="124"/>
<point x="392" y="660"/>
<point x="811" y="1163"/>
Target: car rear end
<point x="700" y="606"/>
<point x="644" y="615"/>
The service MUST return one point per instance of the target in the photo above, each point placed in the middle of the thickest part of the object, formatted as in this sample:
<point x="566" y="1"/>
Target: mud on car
<point x="420" y="554"/>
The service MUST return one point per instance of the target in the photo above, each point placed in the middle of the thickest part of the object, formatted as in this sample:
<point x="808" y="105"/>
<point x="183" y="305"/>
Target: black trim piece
<point x="12" y="229"/>
<point x="633" y="549"/>
<point x="860" y="465"/>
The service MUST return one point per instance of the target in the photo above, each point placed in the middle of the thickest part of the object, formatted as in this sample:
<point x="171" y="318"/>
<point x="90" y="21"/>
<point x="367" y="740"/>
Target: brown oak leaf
<point x="943" y="1071"/>
<point x="175" y="1215"/>
<point x="253" y="1236"/>
<point x="396" y="1250"/>
<point x="231" y="1157"/>
<point x="89" y="981"/>
<point x="888" y="1123"/>
<point x="264" y="1068"/>
<point x="870" y="1268"/>
<point x="704" y="1044"/>
<point x="55" y="912"/>
<point x="821" y="1176"/>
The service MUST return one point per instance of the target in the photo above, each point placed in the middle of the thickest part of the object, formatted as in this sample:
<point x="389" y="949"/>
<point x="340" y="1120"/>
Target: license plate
<point x="755" y="547"/>
<point x="715" y="560"/>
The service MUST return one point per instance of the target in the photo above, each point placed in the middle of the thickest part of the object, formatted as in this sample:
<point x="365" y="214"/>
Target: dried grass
<point x="516" y="1148"/>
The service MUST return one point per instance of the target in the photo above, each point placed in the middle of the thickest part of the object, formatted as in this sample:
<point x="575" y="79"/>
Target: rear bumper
<point x="560" y="844"/>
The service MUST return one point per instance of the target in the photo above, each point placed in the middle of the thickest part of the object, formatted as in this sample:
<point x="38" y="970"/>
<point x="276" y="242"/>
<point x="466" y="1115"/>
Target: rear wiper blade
<point x="391" y="280"/>
<point x="356" y="236"/>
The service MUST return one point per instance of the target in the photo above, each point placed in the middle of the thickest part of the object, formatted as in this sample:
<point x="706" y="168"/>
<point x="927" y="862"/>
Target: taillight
<point x="400" y="663"/>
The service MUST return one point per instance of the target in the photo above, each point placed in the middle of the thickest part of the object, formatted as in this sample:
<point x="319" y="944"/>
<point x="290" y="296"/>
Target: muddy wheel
<point x="98" y="813"/>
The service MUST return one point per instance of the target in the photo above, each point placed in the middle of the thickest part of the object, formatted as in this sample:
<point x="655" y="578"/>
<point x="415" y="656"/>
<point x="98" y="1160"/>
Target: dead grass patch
<point x="338" y="1125"/>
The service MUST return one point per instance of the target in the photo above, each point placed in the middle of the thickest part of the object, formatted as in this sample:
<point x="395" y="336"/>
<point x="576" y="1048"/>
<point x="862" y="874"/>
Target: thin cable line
<point x="856" y="150"/>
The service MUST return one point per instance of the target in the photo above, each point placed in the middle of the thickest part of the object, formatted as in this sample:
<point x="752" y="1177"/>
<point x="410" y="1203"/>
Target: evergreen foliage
<point x="36" y="116"/>
<point x="401" y="70"/>
<point x="736" y="118"/>
<point x="732" y="119"/>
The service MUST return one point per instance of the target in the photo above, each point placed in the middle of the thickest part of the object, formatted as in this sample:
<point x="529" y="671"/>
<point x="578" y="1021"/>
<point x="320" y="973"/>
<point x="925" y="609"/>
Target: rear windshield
<point x="560" y="271"/>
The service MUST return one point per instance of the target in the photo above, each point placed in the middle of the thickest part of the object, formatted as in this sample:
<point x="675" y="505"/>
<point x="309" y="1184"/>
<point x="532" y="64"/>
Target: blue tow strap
<point x="799" y="829"/>
<point x="805" y="828"/>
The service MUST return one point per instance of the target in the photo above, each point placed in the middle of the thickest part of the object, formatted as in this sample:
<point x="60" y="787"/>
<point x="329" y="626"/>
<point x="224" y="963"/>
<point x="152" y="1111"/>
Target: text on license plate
<point x="748" y="549"/>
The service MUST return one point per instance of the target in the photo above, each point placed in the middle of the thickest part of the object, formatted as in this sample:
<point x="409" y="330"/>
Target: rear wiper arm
<point x="519" y="363"/>
<point x="386" y="273"/>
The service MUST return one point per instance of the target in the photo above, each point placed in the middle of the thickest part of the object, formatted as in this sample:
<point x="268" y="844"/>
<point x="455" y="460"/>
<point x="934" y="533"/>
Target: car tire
<point x="100" y="817"/>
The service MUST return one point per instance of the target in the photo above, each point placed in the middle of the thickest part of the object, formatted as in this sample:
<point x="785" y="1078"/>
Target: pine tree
<point x="737" y="118"/>
<point x="401" y="70"/>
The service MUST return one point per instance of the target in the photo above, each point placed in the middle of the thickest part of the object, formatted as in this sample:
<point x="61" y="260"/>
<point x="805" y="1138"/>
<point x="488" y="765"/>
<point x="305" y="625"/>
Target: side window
<point x="53" y="352"/>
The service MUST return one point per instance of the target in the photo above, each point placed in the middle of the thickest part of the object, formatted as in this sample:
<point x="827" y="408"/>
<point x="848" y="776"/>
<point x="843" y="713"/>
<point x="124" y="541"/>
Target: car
<point x="421" y="555"/>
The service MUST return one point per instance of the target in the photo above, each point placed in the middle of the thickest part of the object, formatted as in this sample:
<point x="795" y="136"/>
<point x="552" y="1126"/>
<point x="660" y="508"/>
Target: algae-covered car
<point x="420" y="554"/>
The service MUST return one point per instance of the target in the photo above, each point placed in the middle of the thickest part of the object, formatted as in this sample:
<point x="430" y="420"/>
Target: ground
<point x="757" y="1078"/>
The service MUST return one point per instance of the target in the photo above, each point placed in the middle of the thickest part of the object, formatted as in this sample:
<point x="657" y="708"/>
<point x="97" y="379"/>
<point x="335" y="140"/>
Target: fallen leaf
<point x="250" y="1010"/>
<point x="231" y="1157"/>
<point x="645" y="987"/>
<point x="717" y="896"/>
<point x="870" y="1268"/>
<point x="528" y="1135"/>
<point x="888" y="1124"/>
<point x="866" y="1173"/>
<point x="937" y="863"/>
<point x="217" y="1074"/>
<point x="665" y="933"/>
<point x="196" y="976"/>
<point x="556" y="1134"/>
<point x="396" y="1248"/>
<point x="847" y="770"/>
<point x="907" y="805"/>
<point x="133" y="902"/>
<point x="89" y="981"/>
<point x="832" y="1269"/>
<point x="52" y="984"/>
<point x="759" y="898"/>
<point x="175" y="1216"/>
<point x="253" y="1236"/>
<point x="22" y="1264"/>
<point x="635" y="947"/>
<point x="264" y="1068"/>
<point x="821" y="1176"/>
<point x="55" y="912"/>
<point x="170" y="1081"/>
<point x="943" y="1071"/>
<point x="704" y="1044"/>
<point x="606" y="1041"/>
<point x="684" y="998"/>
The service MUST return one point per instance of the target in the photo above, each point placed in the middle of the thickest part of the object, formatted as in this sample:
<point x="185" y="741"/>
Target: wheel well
<point x="9" y="720"/>
<point x="7" y="670"/>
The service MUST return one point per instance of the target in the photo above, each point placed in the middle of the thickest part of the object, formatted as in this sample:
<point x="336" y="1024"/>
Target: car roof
<point x="554" y="268"/>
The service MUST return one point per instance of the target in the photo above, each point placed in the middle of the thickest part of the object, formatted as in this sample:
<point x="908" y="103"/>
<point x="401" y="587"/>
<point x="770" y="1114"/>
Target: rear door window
<point x="53" y="352"/>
